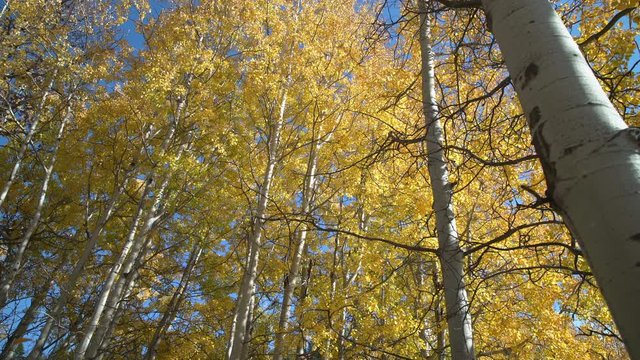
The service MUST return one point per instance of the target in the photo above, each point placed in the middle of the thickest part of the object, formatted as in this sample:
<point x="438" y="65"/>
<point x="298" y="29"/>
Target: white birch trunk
<point x="174" y="304"/>
<point x="590" y="157"/>
<point x="245" y="293"/>
<point x="253" y="307"/>
<point x="78" y="268"/>
<point x="27" y="140"/>
<point x="134" y="241"/>
<point x="117" y="280"/>
<point x="294" y="271"/>
<point x="13" y="267"/>
<point x="129" y="270"/>
<point x="450" y="254"/>
<point x="111" y="277"/>
<point x="11" y="343"/>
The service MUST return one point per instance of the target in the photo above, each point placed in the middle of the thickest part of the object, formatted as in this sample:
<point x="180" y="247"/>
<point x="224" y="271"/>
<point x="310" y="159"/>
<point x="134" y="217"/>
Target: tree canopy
<point x="252" y="179"/>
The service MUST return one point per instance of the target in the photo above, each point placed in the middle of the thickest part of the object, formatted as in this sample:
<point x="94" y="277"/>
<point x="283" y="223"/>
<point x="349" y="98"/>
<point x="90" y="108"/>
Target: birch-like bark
<point x="129" y="270"/>
<point x="27" y="140"/>
<point x="253" y="309"/>
<point x="174" y="304"/>
<point x="247" y="288"/>
<point x="450" y="254"/>
<point x="590" y="157"/>
<point x="78" y="268"/>
<point x="4" y="8"/>
<point x="15" y="261"/>
<point x="112" y="288"/>
<point x="135" y="237"/>
<point x="441" y="342"/>
<point x="294" y="271"/>
<point x="11" y="344"/>
<point x="114" y="272"/>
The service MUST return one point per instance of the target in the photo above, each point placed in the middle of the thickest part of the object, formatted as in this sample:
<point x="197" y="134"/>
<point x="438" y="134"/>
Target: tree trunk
<point x="78" y="268"/>
<point x="15" y="262"/>
<point x="174" y="304"/>
<point x="11" y="343"/>
<point x="450" y="254"/>
<point x="248" y="282"/>
<point x="590" y="157"/>
<point x="27" y="140"/>
<point x="135" y="239"/>
<point x="244" y="355"/>
<point x="294" y="271"/>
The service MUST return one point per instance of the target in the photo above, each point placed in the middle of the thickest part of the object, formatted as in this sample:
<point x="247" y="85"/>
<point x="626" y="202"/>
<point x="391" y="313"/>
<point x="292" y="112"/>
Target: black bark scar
<point x="489" y="21"/>
<point x="534" y="117"/>
<point x="530" y="73"/>
<point x="635" y="237"/>
<point x="570" y="149"/>
<point x="543" y="150"/>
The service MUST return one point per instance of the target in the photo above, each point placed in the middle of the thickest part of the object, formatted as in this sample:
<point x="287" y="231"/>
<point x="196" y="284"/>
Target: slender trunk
<point x="106" y="335"/>
<point x="78" y="268"/>
<point x="27" y="140"/>
<point x="425" y="332"/>
<point x="590" y="157"/>
<point x="135" y="238"/>
<point x="450" y="254"/>
<point x="11" y="343"/>
<point x="13" y="267"/>
<point x="248" y="282"/>
<point x="294" y="271"/>
<point x="437" y="308"/>
<point x="129" y="270"/>
<point x="343" y="335"/>
<point x="349" y="279"/>
<point x="174" y="304"/>
<point x="119" y="273"/>
<point x="232" y="332"/>
<point x="244" y="355"/>
<point x="333" y="275"/>
<point x="4" y="8"/>
<point x="112" y="276"/>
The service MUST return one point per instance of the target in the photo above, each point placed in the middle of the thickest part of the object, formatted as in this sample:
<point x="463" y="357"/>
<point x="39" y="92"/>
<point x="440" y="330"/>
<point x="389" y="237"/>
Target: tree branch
<point x="461" y="4"/>
<point x="607" y="27"/>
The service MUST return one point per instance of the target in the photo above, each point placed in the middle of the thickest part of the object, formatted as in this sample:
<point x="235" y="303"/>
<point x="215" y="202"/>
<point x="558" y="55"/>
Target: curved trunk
<point x="11" y="343"/>
<point x="450" y="254"/>
<point x="590" y="157"/>
<point x="135" y="239"/>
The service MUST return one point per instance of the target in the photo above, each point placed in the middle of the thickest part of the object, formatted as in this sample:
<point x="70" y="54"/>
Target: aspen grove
<point x="319" y="179"/>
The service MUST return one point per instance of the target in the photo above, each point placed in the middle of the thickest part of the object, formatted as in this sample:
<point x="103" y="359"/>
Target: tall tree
<point x="589" y="155"/>
<point x="458" y="311"/>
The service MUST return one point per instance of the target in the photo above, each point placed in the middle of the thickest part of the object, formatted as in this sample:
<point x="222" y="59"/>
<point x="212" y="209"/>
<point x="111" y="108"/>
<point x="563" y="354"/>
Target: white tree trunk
<point x="129" y="271"/>
<point x="112" y="276"/>
<point x="450" y="254"/>
<point x="78" y="268"/>
<point x="27" y="140"/>
<point x="135" y="239"/>
<point x="247" y="288"/>
<point x="11" y="344"/>
<point x="590" y="157"/>
<point x="15" y="261"/>
<point x="174" y="304"/>
<point x="294" y="271"/>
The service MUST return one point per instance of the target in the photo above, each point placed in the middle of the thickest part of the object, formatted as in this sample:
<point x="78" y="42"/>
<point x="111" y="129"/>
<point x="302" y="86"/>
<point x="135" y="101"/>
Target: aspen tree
<point x="590" y="157"/>
<point x="450" y="255"/>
